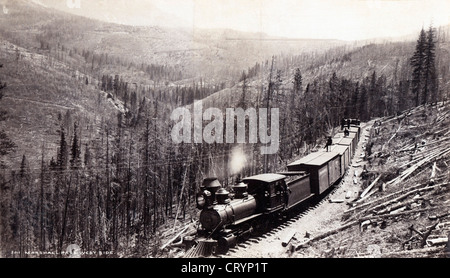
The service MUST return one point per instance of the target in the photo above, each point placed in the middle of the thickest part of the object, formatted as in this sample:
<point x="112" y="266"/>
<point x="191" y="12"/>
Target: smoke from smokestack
<point x="238" y="160"/>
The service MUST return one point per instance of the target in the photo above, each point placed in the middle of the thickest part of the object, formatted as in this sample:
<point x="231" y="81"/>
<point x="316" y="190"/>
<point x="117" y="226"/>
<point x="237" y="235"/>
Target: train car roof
<point x="293" y="173"/>
<point x="306" y="159"/>
<point x="337" y="137"/>
<point x="346" y="141"/>
<point x="323" y="159"/>
<point x="265" y="178"/>
<point x="339" y="149"/>
<point x="351" y="134"/>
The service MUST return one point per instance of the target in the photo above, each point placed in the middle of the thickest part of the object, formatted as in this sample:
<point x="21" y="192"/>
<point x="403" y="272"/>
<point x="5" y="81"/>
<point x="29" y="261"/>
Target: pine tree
<point x="429" y="69"/>
<point x="297" y="81"/>
<point x="417" y="62"/>
<point x="23" y="167"/>
<point x="242" y="102"/>
<point x="61" y="159"/>
<point x="75" y="149"/>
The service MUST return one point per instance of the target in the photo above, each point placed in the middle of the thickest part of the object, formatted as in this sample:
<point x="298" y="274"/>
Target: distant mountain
<point x="138" y="12"/>
<point x="209" y="53"/>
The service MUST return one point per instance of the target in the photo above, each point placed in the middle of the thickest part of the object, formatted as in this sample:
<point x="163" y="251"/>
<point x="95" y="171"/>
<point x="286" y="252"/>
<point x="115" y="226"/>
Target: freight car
<point x="254" y="202"/>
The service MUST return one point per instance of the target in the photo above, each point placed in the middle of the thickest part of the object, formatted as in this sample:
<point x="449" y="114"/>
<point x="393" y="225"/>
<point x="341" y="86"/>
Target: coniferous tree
<point x="429" y="69"/>
<point x="417" y="64"/>
<point x="75" y="149"/>
<point x="62" y="157"/>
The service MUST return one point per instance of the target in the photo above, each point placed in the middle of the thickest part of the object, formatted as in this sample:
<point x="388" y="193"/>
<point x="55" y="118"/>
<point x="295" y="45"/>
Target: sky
<point x="317" y="19"/>
<point x="312" y="19"/>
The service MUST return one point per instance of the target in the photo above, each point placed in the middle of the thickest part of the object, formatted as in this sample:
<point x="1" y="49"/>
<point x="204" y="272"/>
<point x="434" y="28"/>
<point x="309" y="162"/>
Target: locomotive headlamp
<point x="202" y="199"/>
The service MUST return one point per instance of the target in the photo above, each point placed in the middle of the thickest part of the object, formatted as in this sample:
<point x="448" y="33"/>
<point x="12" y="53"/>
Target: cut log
<point x="175" y="237"/>
<point x="370" y="187"/>
<point x="364" y="224"/>
<point x="326" y="234"/>
<point x="412" y="192"/>
<point x="403" y="208"/>
<point x="387" y="197"/>
<point x="417" y="165"/>
<point x="433" y="172"/>
<point x="427" y="234"/>
<point x="287" y="238"/>
<point x="394" y="135"/>
<point x="424" y="252"/>
<point x="437" y="241"/>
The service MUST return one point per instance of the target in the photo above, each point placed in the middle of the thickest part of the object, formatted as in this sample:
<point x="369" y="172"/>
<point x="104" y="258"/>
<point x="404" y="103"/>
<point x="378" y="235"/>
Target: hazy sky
<point x="323" y="19"/>
<point x="339" y="19"/>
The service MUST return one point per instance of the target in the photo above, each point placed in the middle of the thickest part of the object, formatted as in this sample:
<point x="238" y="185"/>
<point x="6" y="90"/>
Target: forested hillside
<point x="86" y="143"/>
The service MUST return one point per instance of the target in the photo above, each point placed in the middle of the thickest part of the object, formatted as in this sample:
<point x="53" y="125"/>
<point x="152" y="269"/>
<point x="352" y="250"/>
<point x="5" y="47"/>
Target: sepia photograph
<point x="222" y="134"/>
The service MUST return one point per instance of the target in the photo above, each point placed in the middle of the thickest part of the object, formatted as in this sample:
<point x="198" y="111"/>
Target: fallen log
<point x="175" y="237"/>
<point x="326" y="234"/>
<point x="355" y="222"/>
<point x="387" y="197"/>
<point x="437" y="241"/>
<point x="370" y="187"/>
<point x="417" y="165"/>
<point x="393" y="136"/>
<point x="433" y="172"/>
<point x="423" y="158"/>
<point x="412" y="253"/>
<point x="425" y="235"/>
<point x="286" y="239"/>
<point x="404" y="196"/>
<point x="367" y="196"/>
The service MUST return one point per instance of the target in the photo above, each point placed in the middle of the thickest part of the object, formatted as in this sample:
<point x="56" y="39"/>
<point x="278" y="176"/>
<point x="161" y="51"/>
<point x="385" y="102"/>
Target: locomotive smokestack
<point x="212" y="185"/>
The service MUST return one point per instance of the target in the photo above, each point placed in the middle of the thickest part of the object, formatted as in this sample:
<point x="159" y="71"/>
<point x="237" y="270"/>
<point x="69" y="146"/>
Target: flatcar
<point x="252" y="204"/>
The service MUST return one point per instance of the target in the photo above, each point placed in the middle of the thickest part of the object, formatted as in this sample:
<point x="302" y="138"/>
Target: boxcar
<point x="344" y="152"/>
<point x="348" y="142"/>
<point x="299" y="187"/>
<point x="324" y="170"/>
<point x="356" y="130"/>
<point x="354" y="138"/>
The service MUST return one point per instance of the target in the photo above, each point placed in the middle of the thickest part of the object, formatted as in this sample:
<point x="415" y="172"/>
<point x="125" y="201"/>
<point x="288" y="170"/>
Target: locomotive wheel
<point x="260" y="227"/>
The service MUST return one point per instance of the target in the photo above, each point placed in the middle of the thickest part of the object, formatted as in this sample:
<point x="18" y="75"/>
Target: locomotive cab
<point x="270" y="190"/>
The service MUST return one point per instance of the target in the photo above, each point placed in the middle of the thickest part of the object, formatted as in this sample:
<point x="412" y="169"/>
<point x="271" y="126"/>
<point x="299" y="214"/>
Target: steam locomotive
<point x="256" y="201"/>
